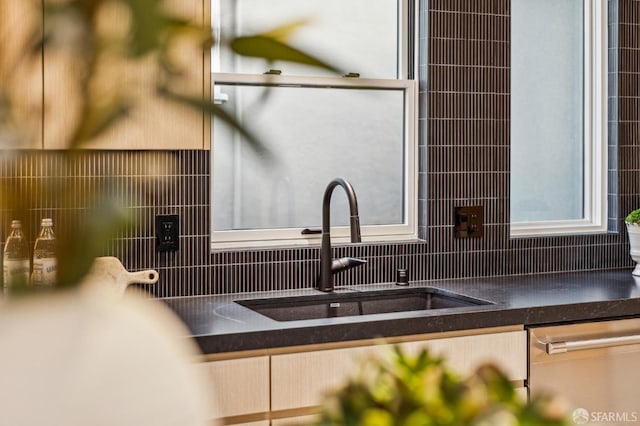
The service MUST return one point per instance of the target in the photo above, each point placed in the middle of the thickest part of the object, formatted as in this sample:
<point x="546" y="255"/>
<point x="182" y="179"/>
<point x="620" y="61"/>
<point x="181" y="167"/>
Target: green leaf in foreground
<point x="270" y="49"/>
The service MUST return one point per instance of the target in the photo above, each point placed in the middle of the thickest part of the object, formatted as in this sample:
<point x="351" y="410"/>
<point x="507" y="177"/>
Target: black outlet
<point x="469" y="222"/>
<point x="167" y="232"/>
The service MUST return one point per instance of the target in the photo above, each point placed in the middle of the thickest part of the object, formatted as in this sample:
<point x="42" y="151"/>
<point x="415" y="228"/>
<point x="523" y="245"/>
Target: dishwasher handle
<point x="580" y="345"/>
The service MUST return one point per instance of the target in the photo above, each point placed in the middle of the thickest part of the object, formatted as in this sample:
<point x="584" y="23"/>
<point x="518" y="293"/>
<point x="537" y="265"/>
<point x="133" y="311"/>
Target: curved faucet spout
<point x="353" y="208"/>
<point x="325" y="280"/>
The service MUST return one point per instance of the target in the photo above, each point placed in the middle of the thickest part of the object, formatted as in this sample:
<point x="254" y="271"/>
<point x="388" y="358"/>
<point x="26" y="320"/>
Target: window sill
<point x="554" y="229"/>
<point x="311" y="241"/>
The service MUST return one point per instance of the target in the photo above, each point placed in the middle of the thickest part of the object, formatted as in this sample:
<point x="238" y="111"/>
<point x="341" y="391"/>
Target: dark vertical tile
<point x="464" y="160"/>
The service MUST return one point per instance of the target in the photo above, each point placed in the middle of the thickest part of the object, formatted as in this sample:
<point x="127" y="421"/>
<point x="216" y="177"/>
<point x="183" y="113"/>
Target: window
<point x="558" y="116"/>
<point x="317" y="126"/>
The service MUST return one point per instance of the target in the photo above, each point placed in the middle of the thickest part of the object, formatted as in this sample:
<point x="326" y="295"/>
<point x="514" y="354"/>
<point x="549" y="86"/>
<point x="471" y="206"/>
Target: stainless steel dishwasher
<point x="594" y="366"/>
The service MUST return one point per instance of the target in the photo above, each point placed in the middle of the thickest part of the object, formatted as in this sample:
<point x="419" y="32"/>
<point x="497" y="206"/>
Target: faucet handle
<point x="307" y="231"/>
<point x="343" y="263"/>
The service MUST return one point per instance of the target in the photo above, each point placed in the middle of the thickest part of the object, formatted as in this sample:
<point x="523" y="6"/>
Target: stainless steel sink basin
<point x="359" y="303"/>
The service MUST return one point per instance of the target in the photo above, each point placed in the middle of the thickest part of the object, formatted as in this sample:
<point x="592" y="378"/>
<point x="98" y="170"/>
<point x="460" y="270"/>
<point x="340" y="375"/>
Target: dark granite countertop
<point x="220" y="325"/>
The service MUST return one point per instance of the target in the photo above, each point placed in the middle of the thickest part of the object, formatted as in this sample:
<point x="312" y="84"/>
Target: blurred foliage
<point x="401" y="390"/>
<point x="102" y="33"/>
<point x="99" y="42"/>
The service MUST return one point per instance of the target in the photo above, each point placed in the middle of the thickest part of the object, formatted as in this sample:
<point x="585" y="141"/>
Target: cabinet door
<point x="300" y="379"/>
<point x="465" y="353"/>
<point x="240" y="386"/>
<point x="21" y="71"/>
<point x="154" y="122"/>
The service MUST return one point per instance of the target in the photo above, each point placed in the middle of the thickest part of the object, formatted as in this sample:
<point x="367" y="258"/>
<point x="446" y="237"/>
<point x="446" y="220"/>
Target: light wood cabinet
<point x="294" y="421"/>
<point x="153" y="122"/>
<point x="286" y="385"/>
<point x="300" y="379"/>
<point x="21" y="72"/>
<point x="258" y="423"/>
<point x="465" y="353"/>
<point x="240" y="386"/>
<point x="47" y="102"/>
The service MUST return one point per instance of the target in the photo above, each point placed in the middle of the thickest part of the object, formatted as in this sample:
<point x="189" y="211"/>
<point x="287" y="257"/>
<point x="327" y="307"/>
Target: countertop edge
<point x="519" y="301"/>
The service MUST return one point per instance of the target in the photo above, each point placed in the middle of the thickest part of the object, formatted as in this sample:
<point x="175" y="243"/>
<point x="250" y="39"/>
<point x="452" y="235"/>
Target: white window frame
<point x="339" y="234"/>
<point x="595" y="134"/>
<point x="408" y="230"/>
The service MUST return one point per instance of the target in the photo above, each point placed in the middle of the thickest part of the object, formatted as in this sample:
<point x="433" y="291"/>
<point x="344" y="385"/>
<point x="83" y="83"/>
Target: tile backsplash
<point x="464" y="148"/>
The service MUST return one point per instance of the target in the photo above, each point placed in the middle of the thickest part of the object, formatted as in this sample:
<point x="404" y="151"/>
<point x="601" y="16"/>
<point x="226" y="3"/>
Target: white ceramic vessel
<point x="633" y="230"/>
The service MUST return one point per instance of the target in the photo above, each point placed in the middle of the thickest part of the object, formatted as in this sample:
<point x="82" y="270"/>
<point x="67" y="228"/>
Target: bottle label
<point x="44" y="271"/>
<point x="15" y="272"/>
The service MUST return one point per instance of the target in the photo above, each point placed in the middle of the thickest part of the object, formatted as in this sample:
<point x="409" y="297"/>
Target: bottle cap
<point x="16" y="224"/>
<point x="47" y="222"/>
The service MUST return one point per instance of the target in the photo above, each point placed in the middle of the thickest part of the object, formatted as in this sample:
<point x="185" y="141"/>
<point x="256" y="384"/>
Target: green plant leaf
<point x="148" y="22"/>
<point x="103" y="221"/>
<point x="250" y="137"/>
<point x="270" y="49"/>
<point x="424" y="392"/>
<point x="97" y="120"/>
<point x="633" y="217"/>
<point x="284" y="32"/>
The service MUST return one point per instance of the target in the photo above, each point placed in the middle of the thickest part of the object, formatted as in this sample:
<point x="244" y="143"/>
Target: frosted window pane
<point x="547" y="112"/>
<point x="356" y="35"/>
<point x="314" y="135"/>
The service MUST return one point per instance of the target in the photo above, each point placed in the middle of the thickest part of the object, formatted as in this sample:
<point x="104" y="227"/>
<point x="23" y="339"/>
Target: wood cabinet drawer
<point x="301" y="379"/>
<point x="240" y="386"/>
<point x="465" y="353"/>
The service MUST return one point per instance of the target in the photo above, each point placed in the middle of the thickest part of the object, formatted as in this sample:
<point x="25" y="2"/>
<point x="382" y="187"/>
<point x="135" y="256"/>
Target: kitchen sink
<point x="359" y="303"/>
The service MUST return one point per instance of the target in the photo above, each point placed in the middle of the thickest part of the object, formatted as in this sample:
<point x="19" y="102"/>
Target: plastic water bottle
<point x="44" y="257"/>
<point x="15" y="265"/>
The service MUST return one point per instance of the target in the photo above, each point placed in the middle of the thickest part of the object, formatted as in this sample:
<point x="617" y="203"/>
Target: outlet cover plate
<point x="168" y="232"/>
<point x="469" y="222"/>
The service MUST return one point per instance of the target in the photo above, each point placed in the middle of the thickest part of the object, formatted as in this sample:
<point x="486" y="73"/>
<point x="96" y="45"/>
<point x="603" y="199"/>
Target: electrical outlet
<point x="167" y="232"/>
<point x="469" y="222"/>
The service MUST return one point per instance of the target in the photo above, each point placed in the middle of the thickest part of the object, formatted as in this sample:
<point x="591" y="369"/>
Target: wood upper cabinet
<point x="154" y="122"/>
<point x="21" y="73"/>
